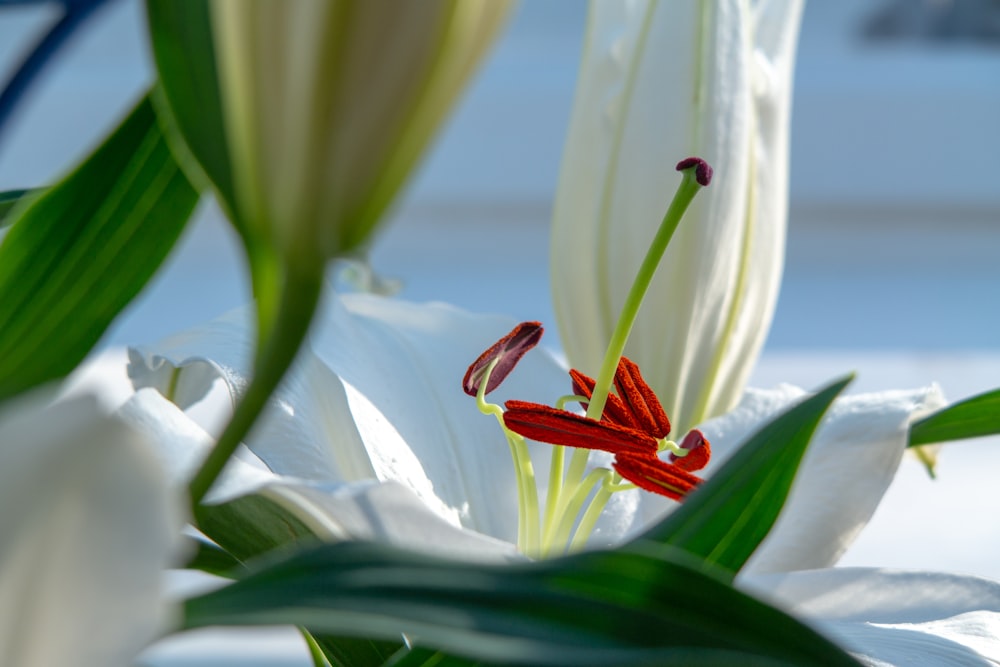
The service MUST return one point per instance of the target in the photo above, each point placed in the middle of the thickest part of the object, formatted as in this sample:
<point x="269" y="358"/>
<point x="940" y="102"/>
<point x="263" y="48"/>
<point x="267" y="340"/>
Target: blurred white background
<point x="894" y="233"/>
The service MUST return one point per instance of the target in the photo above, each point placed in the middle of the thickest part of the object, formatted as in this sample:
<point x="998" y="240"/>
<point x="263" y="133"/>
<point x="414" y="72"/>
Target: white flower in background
<point x="87" y="528"/>
<point x="661" y="80"/>
<point x="329" y="104"/>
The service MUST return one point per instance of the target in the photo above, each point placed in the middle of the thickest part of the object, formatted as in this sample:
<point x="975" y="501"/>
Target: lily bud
<point x="326" y="105"/>
<point x="660" y="81"/>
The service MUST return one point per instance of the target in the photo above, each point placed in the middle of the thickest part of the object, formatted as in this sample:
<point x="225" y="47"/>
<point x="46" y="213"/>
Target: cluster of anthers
<point x="633" y="427"/>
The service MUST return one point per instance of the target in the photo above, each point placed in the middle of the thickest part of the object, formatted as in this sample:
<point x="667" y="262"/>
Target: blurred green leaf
<point x="208" y="557"/>
<point x="356" y="652"/>
<point x="188" y="98"/>
<point x="607" y="608"/>
<point x="253" y="525"/>
<point x="11" y="198"/>
<point x="422" y="657"/>
<point x="725" y="520"/>
<point x="78" y="254"/>
<point x="972" y="418"/>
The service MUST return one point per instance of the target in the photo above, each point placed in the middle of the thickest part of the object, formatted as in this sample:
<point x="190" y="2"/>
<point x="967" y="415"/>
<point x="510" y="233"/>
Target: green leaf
<point x="78" y="254"/>
<point x="253" y="525"/>
<point x="356" y="652"/>
<point x="972" y="418"/>
<point x="11" y="198"/>
<point x="422" y="657"/>
<point x="210" y="558"/>
<point x="188" y="97"/>
<point x="726" y="519"/>
<point x="612" y="607"/>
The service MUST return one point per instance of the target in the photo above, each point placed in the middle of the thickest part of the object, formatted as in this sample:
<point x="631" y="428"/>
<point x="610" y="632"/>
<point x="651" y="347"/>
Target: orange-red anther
<point x="559" y="427"/>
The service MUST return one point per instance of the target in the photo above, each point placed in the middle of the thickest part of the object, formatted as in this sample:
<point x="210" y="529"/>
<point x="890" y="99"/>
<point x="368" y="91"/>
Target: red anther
<point x="559" y="427"/>
<point x="699" y="451"/>
<point x="615" y="411"/>
<point x="640" y="399"/>
<point x="656" y="476"/>
<point x="508" y="350"/>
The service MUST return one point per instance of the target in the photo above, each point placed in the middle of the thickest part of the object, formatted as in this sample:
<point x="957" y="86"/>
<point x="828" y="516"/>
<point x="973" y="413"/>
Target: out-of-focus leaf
<point x="423" y="657"/>
<point x="188" y="98"/>
<point x="616" y="607"/>
<point x="972" y="418"/>
<point x="11" y="198"/>
<point x="725" y="520"/>
<point x="212" y="559"/>
<point x="79" y="253"/>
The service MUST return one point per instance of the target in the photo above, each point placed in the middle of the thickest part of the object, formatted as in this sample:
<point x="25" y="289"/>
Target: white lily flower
<point x="883" y="618"/>
<point x="381" y="383"/>
<point x="88" y="528"/>
<point x="377" y="395"/>
<point x="659" y="81"/>
<point x="329" y="104"/>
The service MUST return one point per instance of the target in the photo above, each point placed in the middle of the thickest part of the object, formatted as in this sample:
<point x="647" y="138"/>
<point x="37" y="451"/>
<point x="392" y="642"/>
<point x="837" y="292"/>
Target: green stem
<point x="528" y="533"/>
<point x="688" y="188"/>
<point x="553" y="499"/>
<point x="277" y="348"/>
<point x="590" y="517"/>
<point x="566" y="518"/>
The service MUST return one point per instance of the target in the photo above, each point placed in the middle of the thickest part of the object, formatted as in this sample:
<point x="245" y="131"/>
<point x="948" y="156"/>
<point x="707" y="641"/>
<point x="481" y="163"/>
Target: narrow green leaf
<point x="423" y="657"/>
<point x="78" y="254"/>
<point x="252" y="525"/>
<point x="972" y="418"/>
<point x="726" y="519"/>
<point x="614" y="607"/>
<point x="356" y="652"/>
<point x="209" y="558"/>
<point x="11" y="198"/>
<point x="188" y="97"/>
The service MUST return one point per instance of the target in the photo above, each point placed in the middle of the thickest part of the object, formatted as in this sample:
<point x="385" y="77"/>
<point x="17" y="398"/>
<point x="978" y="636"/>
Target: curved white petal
<point x="850" y="463"/>
<point x="894" y="618"/>
<point x="87" y="530"/>
<point x="377" y="394"/>
<point x="660" y="81"/>
<point x="383" y="511"/>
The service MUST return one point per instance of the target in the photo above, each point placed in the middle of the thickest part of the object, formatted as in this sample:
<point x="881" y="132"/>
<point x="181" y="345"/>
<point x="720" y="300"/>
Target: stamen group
<point x="633" y="427"/>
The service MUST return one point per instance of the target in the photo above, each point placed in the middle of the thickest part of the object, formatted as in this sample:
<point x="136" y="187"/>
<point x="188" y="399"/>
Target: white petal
<point x="407" y="360"/>
<point x="181" y="445"/>
<point x="894" y="618"/>
<point x="378" y="395"/>
<point x="850" y="463"/>
<point x="370" y="510"/>
<point x="386" y="512"/>
<point x="88" y="530"/>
